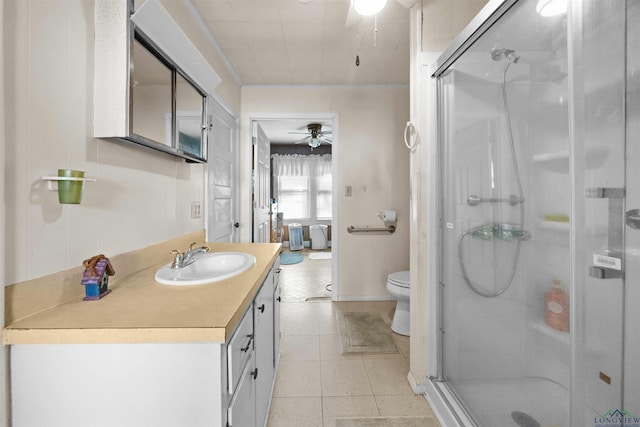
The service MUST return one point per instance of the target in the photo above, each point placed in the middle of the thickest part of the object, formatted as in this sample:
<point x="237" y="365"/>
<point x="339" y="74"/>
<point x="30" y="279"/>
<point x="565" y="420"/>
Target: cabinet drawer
<point x="240" y="349"/>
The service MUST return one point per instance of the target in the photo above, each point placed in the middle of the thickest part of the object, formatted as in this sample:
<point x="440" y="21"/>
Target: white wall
<point x="141" y="197"/>
<point x="372" y="159"/>
<point x="433" y="28"/>
<point x="4" y="353"/>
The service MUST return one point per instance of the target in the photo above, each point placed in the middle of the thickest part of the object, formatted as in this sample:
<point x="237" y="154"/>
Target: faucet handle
<point x="177" y="260"/>
<point x="191" y="246"/>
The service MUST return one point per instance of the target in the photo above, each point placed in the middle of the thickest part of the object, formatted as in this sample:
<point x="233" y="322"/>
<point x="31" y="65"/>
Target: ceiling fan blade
<point x="298" y="133"/>
<point x="327" y="140"/>
<point x="305" y="140"/>
<point x="325" y="132"/>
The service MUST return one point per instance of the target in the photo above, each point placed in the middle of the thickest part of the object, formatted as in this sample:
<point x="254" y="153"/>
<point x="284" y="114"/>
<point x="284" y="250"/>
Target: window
<point x="303" y="186"/>
<point x="293" y="200"/>
<point x="323" y="197"/>
<point x="304" y="197"/>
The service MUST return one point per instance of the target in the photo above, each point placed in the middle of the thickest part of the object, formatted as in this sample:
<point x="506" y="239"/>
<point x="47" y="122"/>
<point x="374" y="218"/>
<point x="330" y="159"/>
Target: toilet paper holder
<point x="389" y="217"/>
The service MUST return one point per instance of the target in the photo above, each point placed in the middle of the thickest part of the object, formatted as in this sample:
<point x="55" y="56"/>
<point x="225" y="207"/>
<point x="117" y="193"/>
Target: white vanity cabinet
<point x="264" y="333"/>
<point x="152" y="384"/>
<point x="250" y="392"/>
<point x="276" y="312"/>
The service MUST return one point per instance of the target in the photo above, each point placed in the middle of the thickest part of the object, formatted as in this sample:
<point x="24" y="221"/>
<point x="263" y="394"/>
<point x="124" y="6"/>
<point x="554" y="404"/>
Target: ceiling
<point x="288" y="42"/>
<point x="278" y="130"/>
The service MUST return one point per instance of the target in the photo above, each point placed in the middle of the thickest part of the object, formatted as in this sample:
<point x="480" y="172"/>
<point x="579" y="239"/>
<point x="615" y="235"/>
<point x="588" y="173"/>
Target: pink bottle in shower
<point x="556" y="308"/>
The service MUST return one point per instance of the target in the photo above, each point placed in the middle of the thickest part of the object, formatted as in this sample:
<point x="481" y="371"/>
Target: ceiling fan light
<point x="314" y="142"/>
<point x="368" y="7"/>
<point x="551" y="7"/>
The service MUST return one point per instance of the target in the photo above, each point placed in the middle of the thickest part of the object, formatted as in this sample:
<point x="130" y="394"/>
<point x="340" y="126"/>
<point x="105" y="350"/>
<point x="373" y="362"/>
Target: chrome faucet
<point x="183" y="259"/>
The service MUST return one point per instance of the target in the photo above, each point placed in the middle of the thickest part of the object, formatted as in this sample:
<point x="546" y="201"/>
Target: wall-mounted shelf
<point x="559" y="161"/>
<point x="547" y="333"/>
<point x="52" y="181"/>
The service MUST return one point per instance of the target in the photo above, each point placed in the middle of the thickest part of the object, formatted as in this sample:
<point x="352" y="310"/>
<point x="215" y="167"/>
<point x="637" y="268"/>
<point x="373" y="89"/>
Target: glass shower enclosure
<point x="539" y="270"/>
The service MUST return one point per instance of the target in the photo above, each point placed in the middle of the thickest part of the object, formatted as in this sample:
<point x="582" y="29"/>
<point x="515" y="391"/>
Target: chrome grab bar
<point x="474" y="200"/>
<point x="389" y="229"/>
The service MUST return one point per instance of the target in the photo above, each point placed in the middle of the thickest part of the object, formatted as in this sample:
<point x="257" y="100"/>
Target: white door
<point x="221" y="174"/>
<point x="261" y="185"/>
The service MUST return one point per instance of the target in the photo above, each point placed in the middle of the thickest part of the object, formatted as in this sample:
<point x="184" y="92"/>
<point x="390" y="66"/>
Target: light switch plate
<point x="347" y="191"/>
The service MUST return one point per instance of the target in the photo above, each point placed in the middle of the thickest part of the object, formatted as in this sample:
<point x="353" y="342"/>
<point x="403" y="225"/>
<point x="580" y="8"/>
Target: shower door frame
<point x="438" y="392"/>
<point x="443" y="400"/>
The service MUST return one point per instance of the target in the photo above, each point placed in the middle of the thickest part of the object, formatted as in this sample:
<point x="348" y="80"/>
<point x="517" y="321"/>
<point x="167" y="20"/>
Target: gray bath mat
<point x="386" y="422"/>
<point x="364" y="333"/>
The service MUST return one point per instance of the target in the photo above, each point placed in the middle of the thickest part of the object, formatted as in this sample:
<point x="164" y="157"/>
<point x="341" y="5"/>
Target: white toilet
<point x="398" y="287"/>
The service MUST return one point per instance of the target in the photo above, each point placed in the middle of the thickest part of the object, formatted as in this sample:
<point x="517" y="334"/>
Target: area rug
<point x="289" y="258"/>
<point x="320" y="255"/>
<point x="385" y="422"/>
<point x="364" y="332"/>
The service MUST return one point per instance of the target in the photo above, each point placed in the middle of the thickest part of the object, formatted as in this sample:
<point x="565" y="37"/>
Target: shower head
<point x="510" y="54"/>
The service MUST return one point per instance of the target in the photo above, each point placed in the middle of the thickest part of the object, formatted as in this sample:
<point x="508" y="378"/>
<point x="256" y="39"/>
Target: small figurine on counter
<point x="96" y="277"/>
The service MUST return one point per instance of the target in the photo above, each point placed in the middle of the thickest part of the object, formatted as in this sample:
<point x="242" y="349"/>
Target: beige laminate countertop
<point x="140" y="310"/>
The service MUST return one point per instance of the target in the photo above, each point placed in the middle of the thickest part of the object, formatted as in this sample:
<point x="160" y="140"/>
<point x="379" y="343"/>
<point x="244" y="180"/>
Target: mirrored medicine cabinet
<point x="166" y="108"/>
<point x="142" y="95"/>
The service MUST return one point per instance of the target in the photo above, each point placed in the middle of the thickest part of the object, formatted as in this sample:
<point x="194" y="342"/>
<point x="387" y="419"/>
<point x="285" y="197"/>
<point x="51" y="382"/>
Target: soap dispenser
<point x="556" y="308"/>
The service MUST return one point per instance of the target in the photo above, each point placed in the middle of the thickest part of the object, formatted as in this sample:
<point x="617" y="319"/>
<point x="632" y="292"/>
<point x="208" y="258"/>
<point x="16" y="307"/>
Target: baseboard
<point x="417" y="388"/>
<point x="365" y="298"/>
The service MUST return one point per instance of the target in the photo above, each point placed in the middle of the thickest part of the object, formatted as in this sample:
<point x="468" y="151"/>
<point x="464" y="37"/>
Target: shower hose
<point x="514" y="265"/>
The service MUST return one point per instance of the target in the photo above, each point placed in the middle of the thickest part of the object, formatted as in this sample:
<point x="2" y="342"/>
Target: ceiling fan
<point x="315" y="135"/>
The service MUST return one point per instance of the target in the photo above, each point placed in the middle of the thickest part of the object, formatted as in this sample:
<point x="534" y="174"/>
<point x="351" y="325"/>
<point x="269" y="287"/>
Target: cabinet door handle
<point x="278" y="271"/>
<point x="279" y="299"/>
<point x="254" y="374"/>
<point x="261" y="308"/>
<point x="246" y="348"/>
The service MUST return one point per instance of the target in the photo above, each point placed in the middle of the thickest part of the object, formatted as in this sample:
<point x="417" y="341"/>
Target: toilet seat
<point x="399" y="278"/>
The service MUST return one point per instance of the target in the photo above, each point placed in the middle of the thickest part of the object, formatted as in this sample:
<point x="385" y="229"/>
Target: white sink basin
<point x="207" y="268"/>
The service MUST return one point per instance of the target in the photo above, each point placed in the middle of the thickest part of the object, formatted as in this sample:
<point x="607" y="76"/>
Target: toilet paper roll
<point x="388" y="216"/>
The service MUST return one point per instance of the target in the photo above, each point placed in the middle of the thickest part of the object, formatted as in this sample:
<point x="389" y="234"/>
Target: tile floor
<point x="307" y="280"/>
<point x="315" y="382"/>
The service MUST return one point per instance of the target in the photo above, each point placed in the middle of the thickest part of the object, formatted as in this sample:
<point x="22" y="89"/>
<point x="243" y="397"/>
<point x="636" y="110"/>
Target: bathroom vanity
<point x="153" y="355"/>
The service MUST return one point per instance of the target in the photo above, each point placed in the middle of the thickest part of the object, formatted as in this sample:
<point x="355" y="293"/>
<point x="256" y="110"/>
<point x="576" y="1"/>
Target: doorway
<point x="302" y="200"/>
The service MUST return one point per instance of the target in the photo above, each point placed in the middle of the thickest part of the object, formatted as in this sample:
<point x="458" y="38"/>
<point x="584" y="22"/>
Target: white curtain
<point x="300" y="165"/>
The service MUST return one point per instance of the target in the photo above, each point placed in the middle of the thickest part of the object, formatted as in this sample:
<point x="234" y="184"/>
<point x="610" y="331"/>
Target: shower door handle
<point x="611" y="266"/>
<point x="632" y="218"/>
<point x="605" y="273"/>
